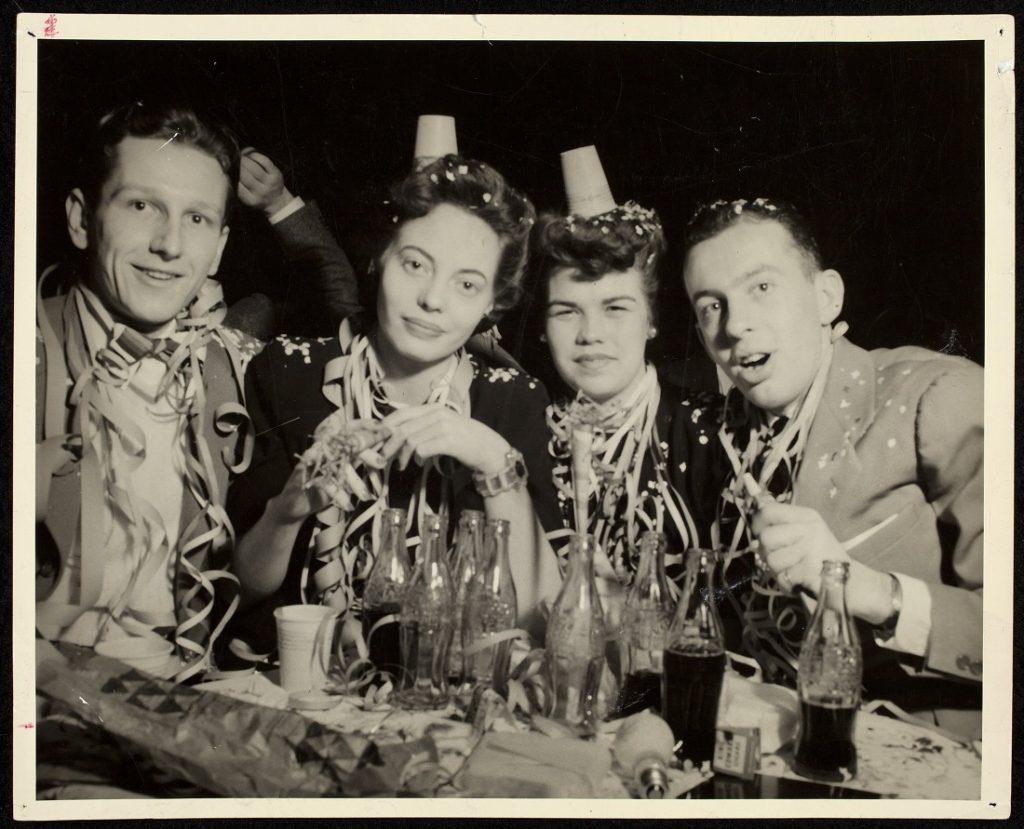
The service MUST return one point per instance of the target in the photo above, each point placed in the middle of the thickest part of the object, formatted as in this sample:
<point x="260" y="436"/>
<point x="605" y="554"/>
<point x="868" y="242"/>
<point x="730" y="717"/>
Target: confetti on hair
<point x="643" y="219"/>
<point x="737" y="206"/>
<point x="487" y="198"/>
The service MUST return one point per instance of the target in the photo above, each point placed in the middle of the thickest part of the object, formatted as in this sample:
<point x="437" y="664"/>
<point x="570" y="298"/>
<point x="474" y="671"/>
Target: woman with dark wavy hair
<point x="600" y="278"/>
<point x="434" y="431"/>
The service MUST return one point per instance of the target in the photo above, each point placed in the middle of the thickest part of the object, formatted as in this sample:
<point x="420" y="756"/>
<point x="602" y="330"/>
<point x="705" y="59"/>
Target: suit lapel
<point x="846" y="408"/>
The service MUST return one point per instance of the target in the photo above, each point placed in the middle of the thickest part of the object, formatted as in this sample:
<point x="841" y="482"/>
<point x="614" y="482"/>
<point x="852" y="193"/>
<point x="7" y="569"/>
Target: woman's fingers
<point x="413" y="421"/>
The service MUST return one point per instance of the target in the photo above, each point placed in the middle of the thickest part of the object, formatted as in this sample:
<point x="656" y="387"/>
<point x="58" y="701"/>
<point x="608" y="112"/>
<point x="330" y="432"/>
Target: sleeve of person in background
<point x="950" y="446"/>
<point x="271" y="463"/>
<point x="314" y="253"/>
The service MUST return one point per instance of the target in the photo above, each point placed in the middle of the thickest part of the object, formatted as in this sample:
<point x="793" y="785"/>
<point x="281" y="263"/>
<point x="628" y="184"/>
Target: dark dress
<point x="687" y="453"/>
<point x="286" y="404"/>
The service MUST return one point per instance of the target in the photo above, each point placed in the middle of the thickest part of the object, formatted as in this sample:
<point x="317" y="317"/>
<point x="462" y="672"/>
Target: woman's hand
<point x="324" y="475"/>
<point x="427" y="431"/>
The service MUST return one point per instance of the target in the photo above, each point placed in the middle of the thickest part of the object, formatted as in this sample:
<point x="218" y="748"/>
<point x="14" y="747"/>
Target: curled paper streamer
<point x="582" y="440"/>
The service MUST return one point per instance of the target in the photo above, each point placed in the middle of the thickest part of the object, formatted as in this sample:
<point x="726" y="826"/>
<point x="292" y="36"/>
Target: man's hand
<point x="261" y="184"/>
<point x="795" y="541"/>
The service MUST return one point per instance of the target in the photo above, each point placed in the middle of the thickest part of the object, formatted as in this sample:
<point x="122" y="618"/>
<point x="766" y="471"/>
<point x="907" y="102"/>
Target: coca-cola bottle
<point x="574" y="644"/>
<point x="645" y="619"/>
<point x="465" y="563"/>
<point x="427" y="623"/>
<point x="694" y="661"/>
<point x="830" y="670"/>
<point x="490" y="611"/>
<point x="383" y="594"/>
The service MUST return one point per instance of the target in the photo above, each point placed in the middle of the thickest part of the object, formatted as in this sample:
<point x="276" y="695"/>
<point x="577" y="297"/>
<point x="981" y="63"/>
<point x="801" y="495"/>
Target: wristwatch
<point x="513" y="476"/>
<point x="887" y="629"/>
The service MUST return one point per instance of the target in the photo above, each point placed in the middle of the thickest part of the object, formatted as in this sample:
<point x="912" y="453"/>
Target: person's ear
<point x="78" y="218"/>
<point x="220" y="250"/>
<point x="828" y="285"/>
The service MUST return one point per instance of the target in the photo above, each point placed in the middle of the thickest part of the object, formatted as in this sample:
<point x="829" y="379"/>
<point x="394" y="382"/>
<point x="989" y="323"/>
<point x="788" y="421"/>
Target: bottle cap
<point x="435" y="137"/>
<point x="586" y="187"/>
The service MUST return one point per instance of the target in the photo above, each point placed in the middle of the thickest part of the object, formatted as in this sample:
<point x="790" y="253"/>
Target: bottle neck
<point x="833" y="592"/>
<point x="650" y="580"/>
<point x="696" y="622"/>
<point x="429" y="554"/>
<point x="496" y="571"/>
<point x="392" y="544"/>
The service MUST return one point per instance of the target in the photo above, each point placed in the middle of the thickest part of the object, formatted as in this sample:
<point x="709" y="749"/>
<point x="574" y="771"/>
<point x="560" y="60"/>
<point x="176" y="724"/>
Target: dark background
<point x="880" y="144"/>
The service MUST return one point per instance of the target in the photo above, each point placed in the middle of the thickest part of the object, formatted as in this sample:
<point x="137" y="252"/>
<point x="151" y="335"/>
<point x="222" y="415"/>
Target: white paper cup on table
<point x="304" y="636"/>
<point x="149" y="654"/>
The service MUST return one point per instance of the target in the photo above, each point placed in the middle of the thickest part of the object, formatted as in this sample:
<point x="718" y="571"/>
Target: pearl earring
<point x="543" y="338"/>
<point x="652" y="332"/>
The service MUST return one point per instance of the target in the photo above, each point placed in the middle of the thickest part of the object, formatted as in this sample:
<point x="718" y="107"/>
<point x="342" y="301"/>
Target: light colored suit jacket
<point x="899" y="432"/>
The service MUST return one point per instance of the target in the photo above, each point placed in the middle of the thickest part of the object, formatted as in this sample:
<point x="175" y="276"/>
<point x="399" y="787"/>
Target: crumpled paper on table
<point x="231" y="747"/>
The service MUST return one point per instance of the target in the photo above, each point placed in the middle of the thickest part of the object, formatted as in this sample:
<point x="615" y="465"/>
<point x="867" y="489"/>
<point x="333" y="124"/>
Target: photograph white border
<point x="997" y="32"/>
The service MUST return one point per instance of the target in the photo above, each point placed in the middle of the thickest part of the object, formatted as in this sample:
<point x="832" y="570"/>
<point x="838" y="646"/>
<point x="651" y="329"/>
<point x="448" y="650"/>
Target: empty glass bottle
<point x="574" y="645"/>
<point x="645" y="619"/>
<point x="490" y="611"/>
<point x="694" y="661"/>
<point x="384" y="592"/>
<point x="828" y="681"/>
<point x="465" y="563"/>
<point x="427" y="623"/>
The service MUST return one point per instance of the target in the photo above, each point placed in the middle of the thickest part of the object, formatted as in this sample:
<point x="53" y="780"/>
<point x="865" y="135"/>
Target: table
<point x="185" y="740"/>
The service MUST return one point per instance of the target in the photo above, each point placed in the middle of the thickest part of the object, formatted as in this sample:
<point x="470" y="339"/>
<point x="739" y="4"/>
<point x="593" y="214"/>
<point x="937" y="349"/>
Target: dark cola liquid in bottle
<point x="828" y="682"/>
<point x="694" y="661"/>
<point x="383" y="595"/>
<point x="646" y="616"/>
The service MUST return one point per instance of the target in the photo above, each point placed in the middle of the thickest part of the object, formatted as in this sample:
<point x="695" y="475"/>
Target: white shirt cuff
<point x="915" y="623"/>
<point x="295" y="205"/>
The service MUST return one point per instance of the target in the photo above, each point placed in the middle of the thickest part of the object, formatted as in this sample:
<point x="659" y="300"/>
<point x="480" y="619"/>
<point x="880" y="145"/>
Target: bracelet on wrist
<point x="511" y="477"/>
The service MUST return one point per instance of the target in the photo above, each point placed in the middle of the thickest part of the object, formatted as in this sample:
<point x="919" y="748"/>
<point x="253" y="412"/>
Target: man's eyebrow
<point x="623" y="298"/>
<point x="753" y="273"/>
<point x="757" y="270"/>
<point x="564" y="302"/>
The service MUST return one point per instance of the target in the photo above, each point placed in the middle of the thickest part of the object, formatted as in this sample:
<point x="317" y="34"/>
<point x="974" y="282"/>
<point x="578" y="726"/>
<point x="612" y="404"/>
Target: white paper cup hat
<point x="586" y="188"/>
<point x="435" y="137"/>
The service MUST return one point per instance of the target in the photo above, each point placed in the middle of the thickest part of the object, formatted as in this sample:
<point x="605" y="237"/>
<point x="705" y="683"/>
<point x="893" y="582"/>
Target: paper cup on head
<point x="148" y="654"/>
<point x="304" y="635"/>
<point x="435" y="137"/>
<point x="586" y="187"/>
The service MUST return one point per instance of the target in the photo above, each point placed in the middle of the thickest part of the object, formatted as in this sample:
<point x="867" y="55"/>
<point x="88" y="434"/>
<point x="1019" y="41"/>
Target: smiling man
<point x="873" y="457"/>
<point x="139" y="415"/>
